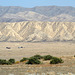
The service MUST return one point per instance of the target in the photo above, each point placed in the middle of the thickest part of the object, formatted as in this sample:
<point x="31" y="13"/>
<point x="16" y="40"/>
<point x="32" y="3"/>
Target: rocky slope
<point x="39" y="13"/>
<point x="34" y="31"/>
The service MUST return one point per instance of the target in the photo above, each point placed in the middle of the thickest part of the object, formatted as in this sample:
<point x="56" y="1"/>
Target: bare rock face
<point x="37" y="31"/>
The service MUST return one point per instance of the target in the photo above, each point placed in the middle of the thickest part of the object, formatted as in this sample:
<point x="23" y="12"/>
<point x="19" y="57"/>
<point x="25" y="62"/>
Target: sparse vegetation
<point x="47" y="57"/>
<point x="17" y="62"/>
<point x="8" y="63"/>
<point x="36" y="59"/>
<point x="3" y="61"/>
<point x="23" y="59"/>
<point x="33" y="60"/>
<point x="38" y="56"/>
<point x="56" y="60"/>
<point x="12" y="61"/>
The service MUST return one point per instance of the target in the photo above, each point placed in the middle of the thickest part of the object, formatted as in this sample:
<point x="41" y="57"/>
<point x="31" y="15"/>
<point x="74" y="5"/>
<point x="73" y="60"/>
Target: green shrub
<point x="8" y="63"/>
<point x="12" y="61"/>
<point x="33" y="60"/>
<point x="2" y="62"/>
<point x="47" y="57"/>
<point x="56" y="60"/>
<point x="38" y="56"/>
<point x="24" y="59"/>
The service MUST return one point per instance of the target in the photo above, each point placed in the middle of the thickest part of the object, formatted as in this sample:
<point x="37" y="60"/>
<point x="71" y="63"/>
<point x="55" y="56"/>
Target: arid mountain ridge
<point x="37" y="31"/>
<point x="37" y="24"/>
<point x="39" y="13"/>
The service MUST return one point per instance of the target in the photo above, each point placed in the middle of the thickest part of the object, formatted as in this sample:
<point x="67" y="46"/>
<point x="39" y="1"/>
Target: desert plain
<point x="64" y="50"/>
<point x="41" y="30"/>
<point x="29" y="49"/>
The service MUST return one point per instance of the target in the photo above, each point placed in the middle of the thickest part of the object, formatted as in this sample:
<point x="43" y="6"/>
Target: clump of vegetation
<point x="47" y="57"/>
<point x="12" y="61"/>
<point x="23" y="59"/>
<point x="56" y="60"/>
<point x="17" y="62"/>
<point x="33" y="60"/>
<point x="3" y="61"/>
<point x="8" y="63"/>
<point x="38" y="56"/>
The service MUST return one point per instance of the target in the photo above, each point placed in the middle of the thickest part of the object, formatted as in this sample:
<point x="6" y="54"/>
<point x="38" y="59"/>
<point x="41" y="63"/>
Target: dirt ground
<point x="18" y="50"/>
<point x="30" y="49"/>
<point x="66" y="68"/>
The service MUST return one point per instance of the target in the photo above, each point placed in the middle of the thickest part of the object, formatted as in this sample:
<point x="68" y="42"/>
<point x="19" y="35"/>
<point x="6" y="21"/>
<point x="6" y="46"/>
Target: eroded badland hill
<point x="33" y="31"/>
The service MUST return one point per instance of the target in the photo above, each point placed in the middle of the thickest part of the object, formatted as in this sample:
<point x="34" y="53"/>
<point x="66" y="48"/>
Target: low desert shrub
<point x="38" y="56"/>
<point x="33" y="60"/>
<point x="56" y="60"/>
<point x="8" y="63"/>
<point x="23" y="59"/>
<point x="17" y="62"/>
<point x="47" y="57"/>
<point x="3" y="62"/>
<point x="12" y="61"/>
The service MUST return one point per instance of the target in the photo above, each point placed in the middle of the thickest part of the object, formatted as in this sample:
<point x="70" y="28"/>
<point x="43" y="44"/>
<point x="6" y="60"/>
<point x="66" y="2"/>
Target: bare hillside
<point x="34" y="31"/>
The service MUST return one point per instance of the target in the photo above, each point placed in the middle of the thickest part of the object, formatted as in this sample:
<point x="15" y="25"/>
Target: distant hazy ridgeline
<point x="39" y="13"/>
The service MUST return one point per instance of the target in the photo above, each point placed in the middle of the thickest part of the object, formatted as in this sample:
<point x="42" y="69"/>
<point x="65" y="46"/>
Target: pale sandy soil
<point x="65" y="50"/>
<point x="30" y="49"/>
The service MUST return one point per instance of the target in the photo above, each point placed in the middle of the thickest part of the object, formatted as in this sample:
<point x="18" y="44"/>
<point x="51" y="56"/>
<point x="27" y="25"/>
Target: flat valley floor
<point x="30" y="49"/>
<point x="18" y="50"/>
